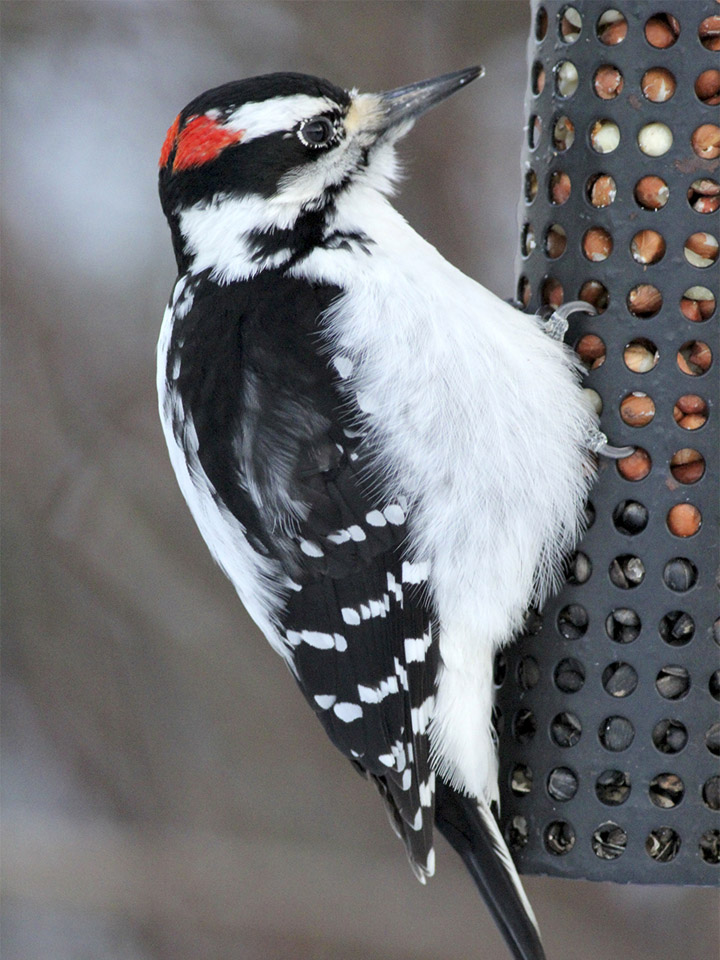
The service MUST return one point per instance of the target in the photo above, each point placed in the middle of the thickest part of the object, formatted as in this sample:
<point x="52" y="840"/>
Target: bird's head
<point x="286" y="145"/>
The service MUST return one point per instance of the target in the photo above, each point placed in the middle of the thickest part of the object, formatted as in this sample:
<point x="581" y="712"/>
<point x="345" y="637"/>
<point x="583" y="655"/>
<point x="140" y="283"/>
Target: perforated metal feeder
<point x="610" y="722"/>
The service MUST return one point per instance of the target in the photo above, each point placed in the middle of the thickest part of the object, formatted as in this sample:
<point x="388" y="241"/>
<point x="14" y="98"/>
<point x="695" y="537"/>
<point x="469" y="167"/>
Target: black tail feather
<point x="473" y="833"/>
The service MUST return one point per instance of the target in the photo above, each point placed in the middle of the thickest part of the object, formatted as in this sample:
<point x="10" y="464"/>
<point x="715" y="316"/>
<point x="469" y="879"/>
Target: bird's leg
<point x="556" y="326"/>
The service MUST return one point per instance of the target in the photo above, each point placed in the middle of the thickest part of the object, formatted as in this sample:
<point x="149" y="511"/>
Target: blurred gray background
<point x="166" y="794"/>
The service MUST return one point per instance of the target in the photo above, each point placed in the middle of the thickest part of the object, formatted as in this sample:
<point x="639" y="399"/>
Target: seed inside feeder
<point x="670" y="736"/>
<point x="570" y="25"/>
<point x="709" y="33"/>
<point x="609" y="841"/>
<point x="680" y="574"/>
<point x="527" y="240"/>
<point x="541" y="24"/>
<point x="516" y="833"/>
<point x="616" y="733"/>
<point x="637" y="409"/>
<point x="569" y="675"/>
<point x="601" y="190"/>
<point x="521" y="780"/>
<point x="707" y="87"/>
<point x="651" y="192"/>
<point x="704" y="195"/>
<point x="527" y="673"/>
<point x="711" y="793"/>
<point x="690" y="411"/>
<point x="563" y="133"/>
<point x="627" y="571"/>
<point x="647" y="246"/>
<point x="590" y="515"/>
<point x="591" y="350"/>
<point x="712" y="738"/>
<point x="636" y="466"/>
<point x="709" y="845"/>
<point x="619" y="679"/>
<point x="612" y="787"/>
<point x="534" y="131"/>
<point x="666" y="790"/>
<point x="552" y="293"/>
<point x="655" y="139"/>
<point x="524" y="291"/>
<point x="662" y="30"/>
<point x="537" y="78"/>
<point x="597" y="244"/>
<point x="644" y="300"/>
<point x="559" y="837"/>
<point x="572" y="621"/>
<point x="662" y="844"/>
<point x="524" y="725"/>
<point x="694" y="358"/>
<point x="673" y="682"/>
<point x="605" y="136"/>
<point x="611" y="27"/>
<point x="623" y="625"/>
<point x="640" y="355"/>
<point x="595" y="293"/>
<point x="566" y="79"/>
<point x="608" y="82"/>
<point x="579" y="568"/>
<point x="677" y="628"/>
<point x="706" y="141"/>
<point x="687" y="465"/>
<point x="566" y="729"/>
<point x="658" y="85"/>
<point x="689" y="403"/>
<point x="684" y="520"/>
<point x="630" y="517"/>
<point x="594" y="398"/>
<point x="697" y="304"/>
<point x="532" y="625"/>
<point x="701" y="249"/>
<point x="562" y="784"/>
<point x="499" y="668"/>
<point x="531" y="186"/>
<point x="555" y="241"/>
<point x="498" y="720"/>
<point x="560" y="188"/>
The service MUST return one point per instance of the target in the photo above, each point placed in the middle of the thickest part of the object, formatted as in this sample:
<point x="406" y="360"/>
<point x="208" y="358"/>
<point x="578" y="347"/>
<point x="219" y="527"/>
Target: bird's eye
<point x="317" y="132"/>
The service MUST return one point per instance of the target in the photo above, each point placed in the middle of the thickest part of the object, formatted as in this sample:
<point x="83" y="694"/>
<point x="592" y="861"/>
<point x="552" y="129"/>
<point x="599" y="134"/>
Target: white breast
<point x="479" y="420"/>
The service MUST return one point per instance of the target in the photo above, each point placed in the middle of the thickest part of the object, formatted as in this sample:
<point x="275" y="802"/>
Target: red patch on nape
<point x="169" y="144"/>
<point x="201" y="140"/>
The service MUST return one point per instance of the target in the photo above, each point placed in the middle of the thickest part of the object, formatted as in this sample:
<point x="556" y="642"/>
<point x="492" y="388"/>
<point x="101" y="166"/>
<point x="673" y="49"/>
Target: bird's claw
<point x="556" y="326"/>
<point x="557" y="323"/>
<point x="597" y="442"/>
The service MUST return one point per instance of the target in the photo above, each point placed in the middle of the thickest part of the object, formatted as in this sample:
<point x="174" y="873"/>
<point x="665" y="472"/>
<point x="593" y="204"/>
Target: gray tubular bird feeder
<point x="608" y="705"/>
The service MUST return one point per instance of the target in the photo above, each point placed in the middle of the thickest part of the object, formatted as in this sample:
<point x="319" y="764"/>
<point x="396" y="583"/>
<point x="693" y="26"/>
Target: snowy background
<point x="166" y="794"/>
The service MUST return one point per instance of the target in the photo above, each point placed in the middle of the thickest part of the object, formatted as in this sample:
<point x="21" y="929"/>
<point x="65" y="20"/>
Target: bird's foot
<point x="597" y="442"/>
<point x="556" y="325"/>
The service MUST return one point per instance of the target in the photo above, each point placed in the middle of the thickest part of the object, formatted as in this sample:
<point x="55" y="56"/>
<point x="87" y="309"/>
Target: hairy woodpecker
<point x="388" y="462"/>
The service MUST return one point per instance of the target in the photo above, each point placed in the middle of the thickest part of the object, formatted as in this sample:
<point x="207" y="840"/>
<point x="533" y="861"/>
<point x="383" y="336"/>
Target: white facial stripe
<point x="279" y="114"/>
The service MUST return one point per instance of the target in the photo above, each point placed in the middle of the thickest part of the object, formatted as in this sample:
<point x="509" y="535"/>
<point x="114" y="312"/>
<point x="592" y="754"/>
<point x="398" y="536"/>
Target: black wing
<point x="280" y="443"/>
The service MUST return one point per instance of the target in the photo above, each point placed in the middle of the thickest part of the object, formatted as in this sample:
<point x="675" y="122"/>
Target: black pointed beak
<point x="407" y="103"/>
